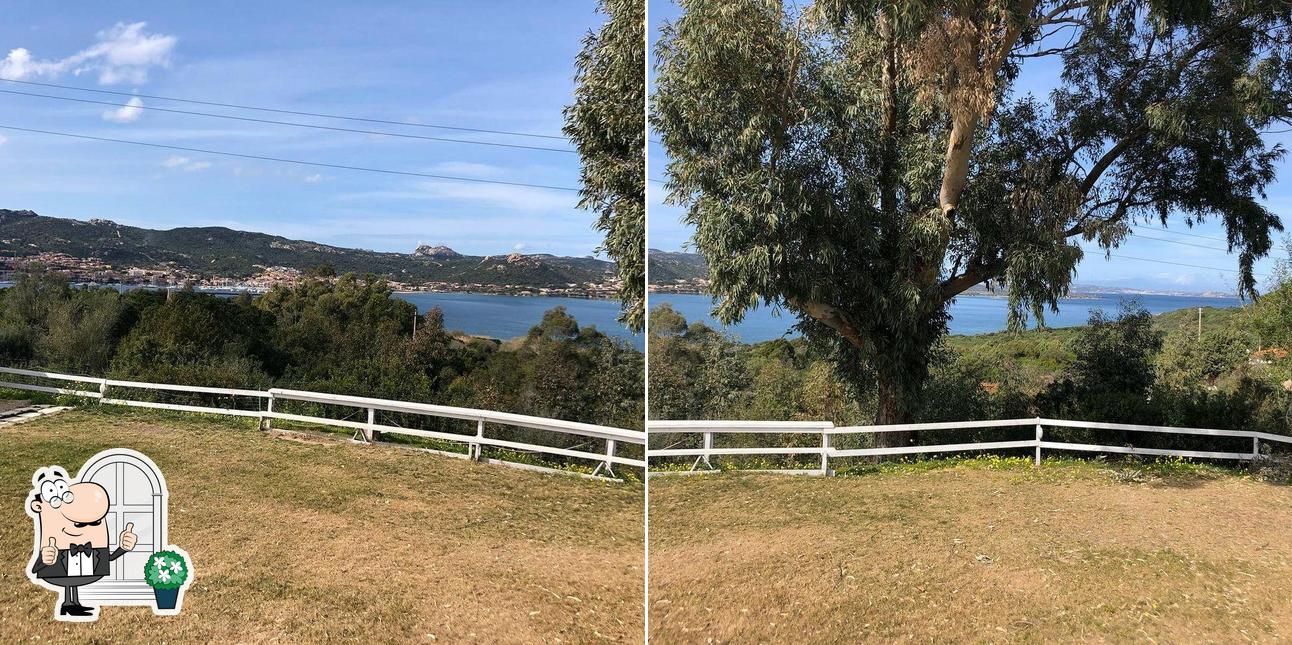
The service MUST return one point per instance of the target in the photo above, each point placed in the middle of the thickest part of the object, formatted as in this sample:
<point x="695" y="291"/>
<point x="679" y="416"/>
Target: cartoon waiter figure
<point x="72" y="537"/>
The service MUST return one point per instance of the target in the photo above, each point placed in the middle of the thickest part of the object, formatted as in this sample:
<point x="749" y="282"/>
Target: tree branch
<point x="1053" y="15"/>
<point x="1109" y="157"/>
<point x="964" y="123"/>
<point x="976" y="273"/>
<point x="832" y="318"/>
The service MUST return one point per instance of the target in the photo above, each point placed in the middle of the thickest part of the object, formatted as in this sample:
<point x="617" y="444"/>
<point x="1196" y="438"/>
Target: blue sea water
<point x="969" y="314"/>
<point x="511" y="316"/>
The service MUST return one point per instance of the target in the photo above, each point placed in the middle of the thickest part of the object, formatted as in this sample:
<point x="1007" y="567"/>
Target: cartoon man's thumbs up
<point x="49" y="552"/>
<point x="128" y="537"/>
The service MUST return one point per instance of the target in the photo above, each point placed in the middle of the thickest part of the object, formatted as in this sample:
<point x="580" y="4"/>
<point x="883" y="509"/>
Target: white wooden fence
<point x="826" y="431"/>
<point x="369" y="429"/>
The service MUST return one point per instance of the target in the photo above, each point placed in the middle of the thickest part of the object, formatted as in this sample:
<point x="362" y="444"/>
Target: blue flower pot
<point x="166" y="598"/>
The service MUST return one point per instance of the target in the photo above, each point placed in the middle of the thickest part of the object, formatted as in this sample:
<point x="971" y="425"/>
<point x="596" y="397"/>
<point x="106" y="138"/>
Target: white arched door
<point x="136" y="494"/>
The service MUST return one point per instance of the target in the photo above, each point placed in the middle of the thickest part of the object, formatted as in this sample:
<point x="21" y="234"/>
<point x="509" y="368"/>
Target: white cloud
<point x="314" y="179"/>
<point x="123" y="53"/>
<point x="520" y="198"/>
<point x="520" y="246"/>
<point x="185" y="164"/>
<point x="3" y="139"/>
<point x="128" y="113"/>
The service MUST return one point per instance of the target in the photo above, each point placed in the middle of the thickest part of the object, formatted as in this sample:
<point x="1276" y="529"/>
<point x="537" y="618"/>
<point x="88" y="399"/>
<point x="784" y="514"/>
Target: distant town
<point x="93" y="270"/>
<point x="700" y="286"/>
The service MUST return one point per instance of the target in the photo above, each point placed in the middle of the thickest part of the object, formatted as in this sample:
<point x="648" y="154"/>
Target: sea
<point x="969" y="314"/>
<point x="500" y="316"/>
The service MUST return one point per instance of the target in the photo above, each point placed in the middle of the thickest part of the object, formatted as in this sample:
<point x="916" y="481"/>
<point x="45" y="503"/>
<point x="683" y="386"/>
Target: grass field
<point x="982" y="551"/>
<point x="306" y="539"/>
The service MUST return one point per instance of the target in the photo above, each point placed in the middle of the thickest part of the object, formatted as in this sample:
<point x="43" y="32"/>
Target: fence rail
<point x="710" y="429"/>
<point x="370" y="429"/>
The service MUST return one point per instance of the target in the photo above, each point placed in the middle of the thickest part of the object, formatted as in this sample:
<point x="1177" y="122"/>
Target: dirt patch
<point x="299" y="541"/>
<point x="8" y="404"/>
<point x="1067" y="553"/>
<point x="314" y="438"/>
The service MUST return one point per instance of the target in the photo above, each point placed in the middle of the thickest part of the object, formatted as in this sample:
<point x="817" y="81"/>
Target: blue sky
<point x="665" y="230"/>
<point x="504" y="65"/>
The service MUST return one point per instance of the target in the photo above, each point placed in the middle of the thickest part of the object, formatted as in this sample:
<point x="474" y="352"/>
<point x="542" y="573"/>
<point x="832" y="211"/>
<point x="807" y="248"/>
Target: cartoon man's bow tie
<point x="80" y="548"/>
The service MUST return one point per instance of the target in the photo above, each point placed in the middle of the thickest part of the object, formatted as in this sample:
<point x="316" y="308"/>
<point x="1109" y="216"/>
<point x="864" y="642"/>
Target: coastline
<point x="1076" y="295"/>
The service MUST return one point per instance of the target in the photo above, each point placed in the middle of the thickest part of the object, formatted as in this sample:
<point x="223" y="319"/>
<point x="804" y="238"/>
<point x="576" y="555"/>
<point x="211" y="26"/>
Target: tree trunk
<point x="895" y="405"/>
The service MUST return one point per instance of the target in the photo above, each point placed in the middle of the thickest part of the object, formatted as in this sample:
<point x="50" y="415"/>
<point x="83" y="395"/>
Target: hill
<point x="668" y="267"/>
<point x="678" y="269"/>
<point x="213" y="251"/>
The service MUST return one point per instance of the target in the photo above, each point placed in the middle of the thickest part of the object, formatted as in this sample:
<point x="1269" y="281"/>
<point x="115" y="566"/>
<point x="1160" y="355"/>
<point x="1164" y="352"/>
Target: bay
<point x="500" y="316"/>
<point x="969" y="314"/>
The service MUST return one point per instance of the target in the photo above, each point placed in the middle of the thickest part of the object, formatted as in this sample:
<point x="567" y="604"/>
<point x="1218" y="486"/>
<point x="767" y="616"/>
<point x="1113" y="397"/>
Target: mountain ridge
<point x="217" y="251"/>
<point x="682" y="272"/>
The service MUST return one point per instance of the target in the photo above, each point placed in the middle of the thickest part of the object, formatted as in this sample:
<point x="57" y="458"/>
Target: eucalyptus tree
<point x="860" y="163"/>
<point x="607" y="123"/>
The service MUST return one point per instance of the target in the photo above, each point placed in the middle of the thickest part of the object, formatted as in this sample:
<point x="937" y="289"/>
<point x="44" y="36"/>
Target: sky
<point x="500" y="65"/>
<point x="1177" y="243"/>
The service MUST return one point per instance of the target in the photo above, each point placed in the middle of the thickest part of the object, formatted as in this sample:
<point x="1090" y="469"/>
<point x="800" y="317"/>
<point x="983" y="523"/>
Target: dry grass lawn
<point x="325" y="540"/>
<point x="981" y="552"/>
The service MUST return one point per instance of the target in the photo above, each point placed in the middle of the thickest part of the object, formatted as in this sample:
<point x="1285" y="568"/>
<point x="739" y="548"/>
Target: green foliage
<point x="696" y="372"/>
<point x="1116" y="354"/>
<point x="699" y="373"/>
<point x="189" y="338"/>
<point x="166" y="570"/>
<point x="348" y="336"/>
<point x="42" y="319"/>
<point x="606" y="123"/>
<point x="1112" y="370"/>
<point x="1188" y="359"/>
<point x="1269" y="320"/>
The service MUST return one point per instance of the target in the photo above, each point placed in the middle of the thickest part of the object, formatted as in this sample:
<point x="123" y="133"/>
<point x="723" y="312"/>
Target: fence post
<point x="610" y="452"/>
<point x="1039" y="433"/>
<point x="473" y="450"/>
<point x="708" y="445"/>
<point x="267" y="422"/>
<point x="1256" y="450"/>
<point x="370" y="433"/>
<point x="103" y="389"/>
<point x="825" y="452"/>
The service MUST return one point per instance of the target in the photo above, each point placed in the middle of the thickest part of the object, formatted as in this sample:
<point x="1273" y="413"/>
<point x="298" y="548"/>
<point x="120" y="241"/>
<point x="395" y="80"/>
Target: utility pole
<point x="1199" y="324"/>
<point x="415" y="323"/>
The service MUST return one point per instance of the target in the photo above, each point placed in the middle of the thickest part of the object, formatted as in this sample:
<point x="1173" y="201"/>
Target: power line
<point x="291" y="123"/>
<point x="1174" y="232"/>
<point x="1182" y="264"/>
<point x="280" y="111"/>
<point x="1198" y="246"/>
<point x="292" y="161"/>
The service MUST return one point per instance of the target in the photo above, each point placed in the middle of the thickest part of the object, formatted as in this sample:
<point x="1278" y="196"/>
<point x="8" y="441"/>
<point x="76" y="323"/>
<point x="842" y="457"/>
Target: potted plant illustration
<point x="167" y="572"/>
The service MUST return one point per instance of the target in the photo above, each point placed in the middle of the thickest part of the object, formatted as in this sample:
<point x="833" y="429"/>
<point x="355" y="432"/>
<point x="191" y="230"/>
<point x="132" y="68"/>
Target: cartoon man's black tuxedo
<point x="100" y="557"/>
